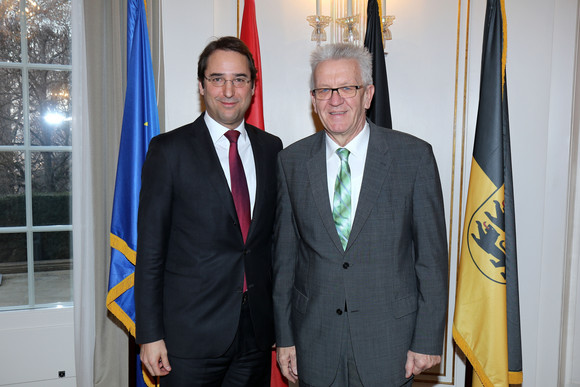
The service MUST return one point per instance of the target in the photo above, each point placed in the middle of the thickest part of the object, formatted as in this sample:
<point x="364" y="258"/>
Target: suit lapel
<point x="377" y="165"/>
<point x="316" y="167"/>
<point x="204" y="150"/>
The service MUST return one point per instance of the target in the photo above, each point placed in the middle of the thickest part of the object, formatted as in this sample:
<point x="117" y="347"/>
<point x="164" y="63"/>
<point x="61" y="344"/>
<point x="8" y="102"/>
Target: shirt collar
<point x="217" y="130"/>
<point x="356" y="146"/>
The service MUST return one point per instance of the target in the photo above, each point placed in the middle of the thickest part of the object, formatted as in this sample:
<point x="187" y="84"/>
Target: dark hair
<point x="226" y="43"/>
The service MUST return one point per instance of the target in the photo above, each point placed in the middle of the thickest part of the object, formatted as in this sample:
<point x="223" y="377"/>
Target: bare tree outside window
<point x="35" y="153"/>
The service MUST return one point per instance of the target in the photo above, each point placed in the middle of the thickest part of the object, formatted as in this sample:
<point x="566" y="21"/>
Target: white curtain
<point x="83" y="208"/>
<point x="98" y="83"/>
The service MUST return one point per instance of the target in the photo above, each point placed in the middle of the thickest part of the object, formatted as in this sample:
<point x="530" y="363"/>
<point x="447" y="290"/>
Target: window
<point x="35" y="154"/>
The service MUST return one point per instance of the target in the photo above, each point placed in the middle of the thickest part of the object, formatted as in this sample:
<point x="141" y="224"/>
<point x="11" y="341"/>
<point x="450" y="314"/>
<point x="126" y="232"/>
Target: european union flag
<point x="140" y="124"/>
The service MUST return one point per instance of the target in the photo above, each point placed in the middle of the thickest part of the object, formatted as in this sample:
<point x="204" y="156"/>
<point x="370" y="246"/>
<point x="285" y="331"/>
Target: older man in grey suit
<point x="360" y="260"/>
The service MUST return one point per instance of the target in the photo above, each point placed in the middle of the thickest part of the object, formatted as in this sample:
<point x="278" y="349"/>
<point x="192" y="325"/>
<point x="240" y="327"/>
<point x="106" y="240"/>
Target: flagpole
<point x="468" y="373"/>
<point x="132" y="362"/>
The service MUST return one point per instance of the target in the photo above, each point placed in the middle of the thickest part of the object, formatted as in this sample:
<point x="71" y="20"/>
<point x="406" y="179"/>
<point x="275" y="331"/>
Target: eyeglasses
<point x="326" y="93"/>
<point x="238" y="82"/>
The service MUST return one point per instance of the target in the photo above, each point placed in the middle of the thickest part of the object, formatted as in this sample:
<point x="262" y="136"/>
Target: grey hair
<point x="339" y="51"/>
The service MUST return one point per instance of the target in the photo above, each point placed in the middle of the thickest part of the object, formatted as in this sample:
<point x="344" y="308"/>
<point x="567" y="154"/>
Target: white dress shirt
<point x="222" y="147"/>
<point x="357" y="147"/>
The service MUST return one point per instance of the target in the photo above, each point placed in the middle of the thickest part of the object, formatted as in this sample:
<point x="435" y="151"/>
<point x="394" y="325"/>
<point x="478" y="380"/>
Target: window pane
<point x="10" y="31"/>
<point x="49" y="35"/>
<point x="50" y="107"/>
<point x="11" y="106"/>
<point x="12" y="203"/>
<point x="52" y="267"/>
<point x="51" y="188"/>
<point x="35" y="152"/>
<point x="14" y="286"/>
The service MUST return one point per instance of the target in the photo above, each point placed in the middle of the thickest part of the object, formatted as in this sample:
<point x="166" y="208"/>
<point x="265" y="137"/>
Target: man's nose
<point x="229" y="89"/>
<point x="336" y="98"/>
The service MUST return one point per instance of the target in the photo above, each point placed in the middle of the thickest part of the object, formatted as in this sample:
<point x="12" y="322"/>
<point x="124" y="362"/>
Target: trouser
<point x="244" y="364"/>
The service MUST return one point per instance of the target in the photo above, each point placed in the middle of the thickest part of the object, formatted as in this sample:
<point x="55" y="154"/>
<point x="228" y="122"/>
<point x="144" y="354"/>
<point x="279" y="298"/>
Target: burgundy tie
<point x="239" y="186"/>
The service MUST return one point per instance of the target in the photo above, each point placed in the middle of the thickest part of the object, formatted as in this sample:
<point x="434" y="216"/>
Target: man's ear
<point x="313" y="103"/>
<point x="368" y="98"/>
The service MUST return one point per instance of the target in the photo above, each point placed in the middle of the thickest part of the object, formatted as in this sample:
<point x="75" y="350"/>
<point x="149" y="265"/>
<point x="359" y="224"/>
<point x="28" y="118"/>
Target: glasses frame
<point x="338" y="90"/>
<point x="213" y="81"/>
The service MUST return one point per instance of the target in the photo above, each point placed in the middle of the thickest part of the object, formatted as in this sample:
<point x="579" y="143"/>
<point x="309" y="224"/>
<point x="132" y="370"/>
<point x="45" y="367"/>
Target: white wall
<point x="433" y="69"/>
<point x="541" y="86"/>
<point x="34" y="346"/>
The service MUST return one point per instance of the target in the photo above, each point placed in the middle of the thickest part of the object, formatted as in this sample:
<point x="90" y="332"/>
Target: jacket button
<point x="345" y="265"/>
<point x="338" y="312"/>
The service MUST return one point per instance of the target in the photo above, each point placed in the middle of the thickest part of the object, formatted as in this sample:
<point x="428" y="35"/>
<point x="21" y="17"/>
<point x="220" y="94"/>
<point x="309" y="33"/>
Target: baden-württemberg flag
<point x="140" y="124"/>
<point x="486" y="325"/>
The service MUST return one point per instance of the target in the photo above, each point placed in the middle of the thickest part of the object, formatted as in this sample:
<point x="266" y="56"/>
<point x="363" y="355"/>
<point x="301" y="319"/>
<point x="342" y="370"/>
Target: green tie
<point x="341" y="200"/>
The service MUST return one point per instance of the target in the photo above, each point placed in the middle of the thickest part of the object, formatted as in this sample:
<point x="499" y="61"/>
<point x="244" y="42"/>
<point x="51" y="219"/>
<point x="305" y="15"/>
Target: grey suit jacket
<point x="392" y="276"/>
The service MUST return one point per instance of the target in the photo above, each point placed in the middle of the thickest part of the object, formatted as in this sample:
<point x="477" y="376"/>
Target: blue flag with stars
<point x="140" y="124"/>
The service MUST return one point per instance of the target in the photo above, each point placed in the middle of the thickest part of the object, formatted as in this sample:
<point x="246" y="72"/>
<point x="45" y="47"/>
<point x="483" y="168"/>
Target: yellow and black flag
<point x="486" y="324"/>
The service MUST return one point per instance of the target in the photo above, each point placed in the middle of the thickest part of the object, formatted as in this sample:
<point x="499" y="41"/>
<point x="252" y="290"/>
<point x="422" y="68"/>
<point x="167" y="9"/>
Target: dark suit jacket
<point x="190" y="253"/>
<point x="392" y="276"/>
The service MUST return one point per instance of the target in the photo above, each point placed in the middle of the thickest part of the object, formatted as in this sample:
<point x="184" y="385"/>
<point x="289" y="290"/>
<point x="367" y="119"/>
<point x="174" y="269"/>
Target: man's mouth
<point x="228" y="103"/>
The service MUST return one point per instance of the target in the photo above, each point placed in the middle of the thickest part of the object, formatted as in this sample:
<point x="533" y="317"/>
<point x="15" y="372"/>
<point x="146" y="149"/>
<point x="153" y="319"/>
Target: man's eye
<point x="217" y="79"/>
<point x="324" y="91"/>
<point x="346" y="88"/>
<point x="240" y="80"/>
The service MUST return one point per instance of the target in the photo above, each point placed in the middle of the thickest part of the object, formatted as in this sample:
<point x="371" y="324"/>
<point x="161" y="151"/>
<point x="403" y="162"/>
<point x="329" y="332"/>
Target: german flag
<point x="486" y="325"/>
<point x="380" y="109"/>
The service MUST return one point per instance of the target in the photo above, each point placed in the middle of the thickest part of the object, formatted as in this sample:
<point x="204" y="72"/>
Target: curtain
<point x="105" y="55"/>
<point x="101" y="346"/>
<point x="82" y="209"/>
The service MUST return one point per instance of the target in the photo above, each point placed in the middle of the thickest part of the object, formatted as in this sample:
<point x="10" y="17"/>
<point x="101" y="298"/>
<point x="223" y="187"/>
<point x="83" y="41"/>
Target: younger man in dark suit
<point x="206" y="213"/>
<point x="360" y="260"/>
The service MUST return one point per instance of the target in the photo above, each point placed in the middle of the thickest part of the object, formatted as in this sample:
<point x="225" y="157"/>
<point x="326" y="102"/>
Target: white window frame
<point x="27" y="148"/>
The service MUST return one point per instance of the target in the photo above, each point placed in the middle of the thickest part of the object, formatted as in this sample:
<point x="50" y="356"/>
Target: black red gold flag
<point x="380" y="110"/>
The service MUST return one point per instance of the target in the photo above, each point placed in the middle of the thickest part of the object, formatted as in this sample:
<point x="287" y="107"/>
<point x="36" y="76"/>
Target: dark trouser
<point x="242" y="365"/>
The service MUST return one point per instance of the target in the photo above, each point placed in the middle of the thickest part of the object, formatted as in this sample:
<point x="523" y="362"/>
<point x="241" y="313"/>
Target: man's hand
<point x="154" y="358"/>
<point x="417" y="363"/>
<point x="286" y="357"/>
